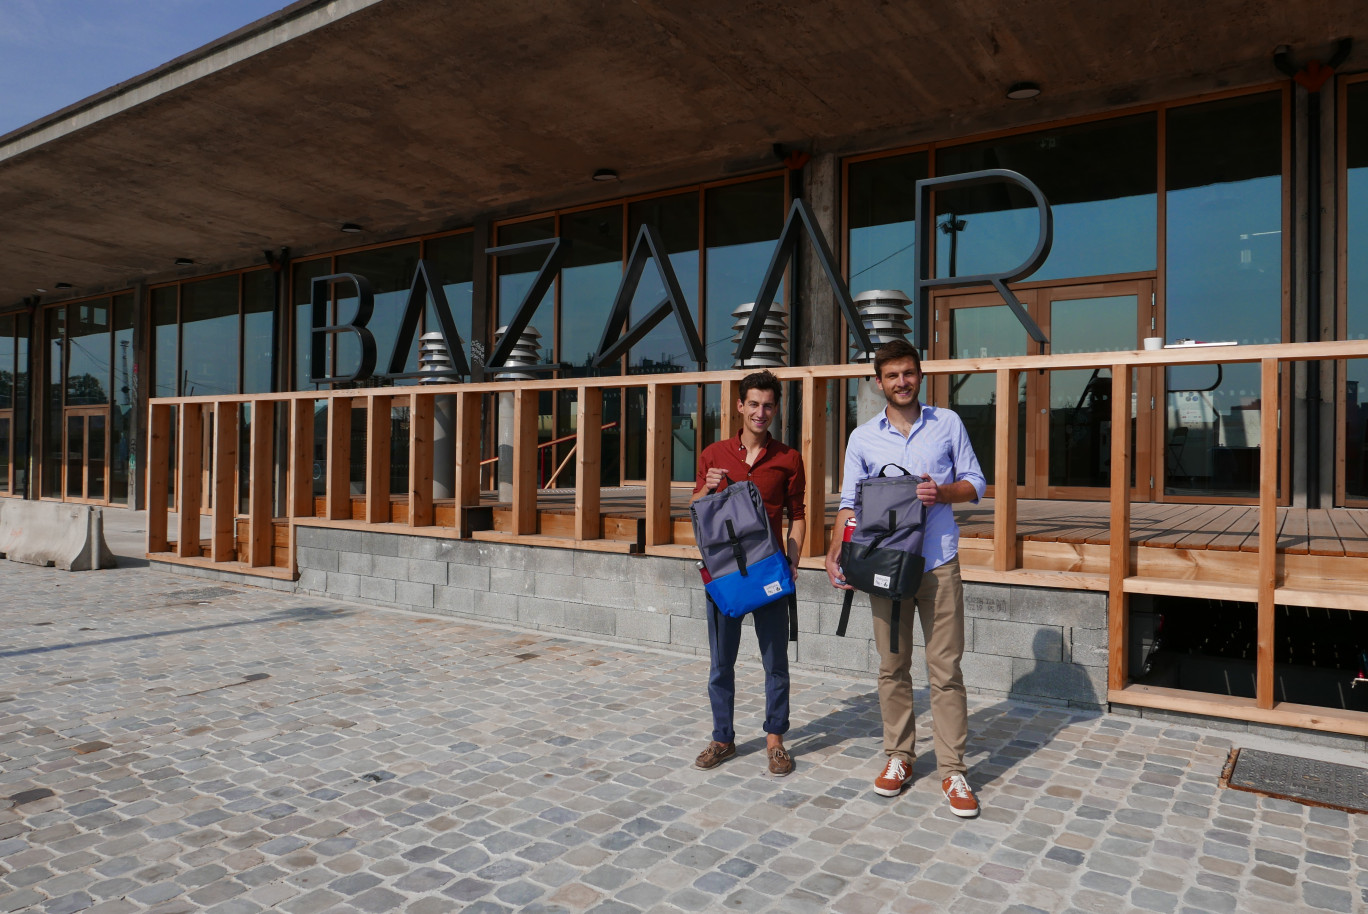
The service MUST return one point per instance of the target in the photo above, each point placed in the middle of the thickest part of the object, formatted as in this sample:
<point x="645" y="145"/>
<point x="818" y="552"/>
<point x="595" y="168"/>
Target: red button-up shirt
<point x="777" y="473"/>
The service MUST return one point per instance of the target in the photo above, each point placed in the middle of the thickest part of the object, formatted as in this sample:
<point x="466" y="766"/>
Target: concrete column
<point x="138" y="383"/>
<point x="814" y="340"/>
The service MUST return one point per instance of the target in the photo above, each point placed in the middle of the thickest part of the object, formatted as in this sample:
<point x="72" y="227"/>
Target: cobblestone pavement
<point x="171" y="745"/>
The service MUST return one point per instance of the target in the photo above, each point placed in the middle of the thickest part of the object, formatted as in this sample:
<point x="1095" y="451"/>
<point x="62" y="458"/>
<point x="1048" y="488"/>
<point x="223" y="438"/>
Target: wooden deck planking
<point x="1324" y="539"/>
<point x="1351" y="525"/>
<point x="1241" y="535"/>
<point x="1293" y="531"/>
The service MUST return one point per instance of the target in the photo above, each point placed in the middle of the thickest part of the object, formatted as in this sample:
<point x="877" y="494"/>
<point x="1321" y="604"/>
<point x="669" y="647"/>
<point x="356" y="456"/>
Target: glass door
<point x="6" y="451"/>
<point x="84" y="449"/>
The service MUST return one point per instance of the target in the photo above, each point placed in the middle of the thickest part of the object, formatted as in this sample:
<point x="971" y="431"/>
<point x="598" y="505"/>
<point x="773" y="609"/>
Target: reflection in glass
<point x="676" y="219"/>
<point x="95" y="458"/>
<point x="741" y="225"/>
<point x="981" y="333"/>
<point x="4" y="454"/>
<point x="75" y="456"/>
<point x="258" y="312"/>
<point x="882" y="212"/>
<point x="209" y="336"/>
<point x="88" y="370"/>
<point x="1224" y="275"/>
<point x="517" y="272"/>
<point x="54" y="335"/>
<point x="1099" y="179"/>
<point x="22" y="404"/>
<point x="588" y="283"/>
<point x="452" y="258"/>
<point x="121" y="416"/>
<point x="6" y="362"/>
<point x="304" y="370"/>
<point x="390" y="271"/>
<point x="165" y="350"/>
<point x="1080" y="401"/>
<point x="1356" y="269"/>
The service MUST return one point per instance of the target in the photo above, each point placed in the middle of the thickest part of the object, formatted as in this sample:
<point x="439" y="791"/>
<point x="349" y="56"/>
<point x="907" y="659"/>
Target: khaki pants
<point x="940" y="604"/>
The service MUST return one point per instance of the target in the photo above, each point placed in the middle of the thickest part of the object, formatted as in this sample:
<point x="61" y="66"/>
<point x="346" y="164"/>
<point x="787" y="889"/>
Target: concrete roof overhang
<point x="413" y="115"/>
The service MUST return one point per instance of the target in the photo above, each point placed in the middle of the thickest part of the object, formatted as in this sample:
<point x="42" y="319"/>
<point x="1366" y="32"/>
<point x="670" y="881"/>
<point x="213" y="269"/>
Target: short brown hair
<point x="760" y="380"/>
<point x="893" y="351"/>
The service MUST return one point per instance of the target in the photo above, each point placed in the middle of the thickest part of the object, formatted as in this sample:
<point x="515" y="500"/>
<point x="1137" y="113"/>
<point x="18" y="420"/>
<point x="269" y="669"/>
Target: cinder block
<point x="829" y="652"/>
<point x="613" y="594"/>
<point x="987" y="672"/>
<point x="412" y="593"/>
<point x="418" y="547"/>
<point x="1060" y="681"/>
<point x="500" y="606"/>
<point x="662" y="598"/>
<point x="311" y="580"/>
<point x="454" y="599"/>
<point x="329" y="538"/>
<point x="381" y="589"/>
<point x="1018" y="639"/>
<point x="987" y="601"/>
<point x="607" y="566"/>
<point x="389" y="566"/>
<point x="470" y="577"/>
<point x="828" y="617"/>
<point x="564" y="587"/>
<point x="540" y="613"/>
<point x="380" y="543"/>
<point x="344" y="585"/>
<point x="698" y="603"/>
<point x="501" y="555"/>
<point x="316" y="559"/>
<point x="590" y="620"/>
<point x="463" y="552"/>
<point x="510" y="580"/>
<point x="1065" y="608"/>
<point x="1088" y="646"/>
<point x="815" y="587"/>
<point x="425" y="571"/>
<point x="643" y="626"/>
<point x="355" y="563"/>
<point x="689" y="632"/>
<point x="666" y="572"/>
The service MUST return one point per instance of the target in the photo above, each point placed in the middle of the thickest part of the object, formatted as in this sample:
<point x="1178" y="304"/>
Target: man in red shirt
<point x="777" y="471"/>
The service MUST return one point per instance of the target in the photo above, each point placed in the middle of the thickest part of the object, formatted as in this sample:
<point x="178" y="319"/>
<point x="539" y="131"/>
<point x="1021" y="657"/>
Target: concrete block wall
<point x="1042" y="645"/>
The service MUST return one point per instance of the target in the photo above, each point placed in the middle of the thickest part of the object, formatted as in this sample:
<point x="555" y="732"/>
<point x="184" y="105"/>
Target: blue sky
<point x="56" y="52"/>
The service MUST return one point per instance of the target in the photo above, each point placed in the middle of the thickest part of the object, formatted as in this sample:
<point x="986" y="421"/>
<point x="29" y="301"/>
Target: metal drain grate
<point x="1302" y="780"/>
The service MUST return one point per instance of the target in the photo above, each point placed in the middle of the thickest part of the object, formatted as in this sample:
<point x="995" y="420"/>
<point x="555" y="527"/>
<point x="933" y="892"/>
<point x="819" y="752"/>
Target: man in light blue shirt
<point x="925" y="441"/>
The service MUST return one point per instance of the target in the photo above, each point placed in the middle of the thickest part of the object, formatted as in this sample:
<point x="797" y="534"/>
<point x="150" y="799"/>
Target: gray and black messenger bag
<point x="882" y="553"/>
<point x="743" y="567"/>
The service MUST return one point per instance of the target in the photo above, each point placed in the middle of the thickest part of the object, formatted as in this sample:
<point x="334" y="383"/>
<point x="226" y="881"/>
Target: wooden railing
<point x="294" y="496"/>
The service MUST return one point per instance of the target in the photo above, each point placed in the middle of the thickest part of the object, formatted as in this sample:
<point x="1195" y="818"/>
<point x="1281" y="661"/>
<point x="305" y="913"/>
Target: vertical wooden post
<point x="1118" y="563"/>
<point x="300" y="434"/>
<point x="730" y="424"/>
<point x="1268" y="528"/>
<point x="158" y="499"/>
<point x="466" y="481"/>
<point x="189" y="466"/>
<point x="658" y="403"/>
<point x="337" y="493"/>
<point x="525" y="406"/>
<point x="377" y="459"/>
<point x="1005" y="472"/>
<point x="261" y="474"/>
<point x="588" y="468"/>
<point x="422" y="410"/>
<point x="223" y="543"/>
<point x="814" y="451"/>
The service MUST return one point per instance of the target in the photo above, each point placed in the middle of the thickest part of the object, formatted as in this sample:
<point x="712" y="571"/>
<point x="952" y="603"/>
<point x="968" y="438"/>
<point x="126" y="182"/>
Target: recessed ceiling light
<point x="351" y="228"/>
<point x="62" y="285"/>
<point x="44" y="291"/>
<point x="184" y="262"/>
<point x="1019" y="91"/>
<point x="605" y="174"/>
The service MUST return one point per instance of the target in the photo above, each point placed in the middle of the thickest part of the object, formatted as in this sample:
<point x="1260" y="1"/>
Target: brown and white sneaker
<point x="714" y="755"/>
<point x="896" y="775"/>
<point x="963" y="803"/>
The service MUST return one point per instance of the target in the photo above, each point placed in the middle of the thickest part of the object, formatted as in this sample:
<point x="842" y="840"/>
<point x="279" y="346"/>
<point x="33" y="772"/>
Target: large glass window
<point x="517" y="272"/>
<point x="390" y="271"/>
<point x="6" y="400"/>
<point x="209" y="337"/>
<point x="1356" y="281"/>
<point x="304" y="275"/>
<point x="742" y="224"/>
<point x="588" y="284"/>
<point x="258" y="314"/>
<point x="88" y="346"/>
<point x="165" y="333"/>
<point x="54" y="336"/>
<point x="1224" y="282"/>
<point x="452" y="259"/>
<point x="883" y="226"/>
<point x="1099" y="179"/>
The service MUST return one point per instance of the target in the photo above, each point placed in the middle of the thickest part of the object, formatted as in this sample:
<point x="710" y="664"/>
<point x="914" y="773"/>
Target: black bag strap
<point x="895" y="621"/>
<point x="793" y="616"/>
<point x="883" y="470"/>
<point x="737" y="549"/>
<point x="845" y="614"/>
<point x="878" y="540"/>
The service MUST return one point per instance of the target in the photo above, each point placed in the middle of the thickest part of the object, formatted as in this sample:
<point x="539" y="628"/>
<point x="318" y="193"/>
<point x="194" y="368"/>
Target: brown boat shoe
<point x="714" y="755"/>
<point x="780" y="762"/>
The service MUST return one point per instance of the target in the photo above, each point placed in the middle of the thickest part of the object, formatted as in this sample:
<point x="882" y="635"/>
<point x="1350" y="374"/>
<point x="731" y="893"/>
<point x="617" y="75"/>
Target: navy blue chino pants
<point x="724" y="639"/>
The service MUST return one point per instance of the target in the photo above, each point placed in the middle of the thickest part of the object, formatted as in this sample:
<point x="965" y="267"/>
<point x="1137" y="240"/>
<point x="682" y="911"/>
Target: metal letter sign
<point x="427" y="283"/>
<point x="769" y="286"/>
<point x="925" y="230"/>
<point x="648" y="244"/>
<point x="560" y="248"/>
<point x="321" y="295"/>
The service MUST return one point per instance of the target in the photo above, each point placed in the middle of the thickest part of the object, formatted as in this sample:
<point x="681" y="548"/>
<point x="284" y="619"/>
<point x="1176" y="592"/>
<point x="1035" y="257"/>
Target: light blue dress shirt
<point x="938" y="446"/>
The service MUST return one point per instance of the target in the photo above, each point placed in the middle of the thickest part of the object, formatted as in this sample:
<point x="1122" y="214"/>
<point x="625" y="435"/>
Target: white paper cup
<point x="1154" y="342"/>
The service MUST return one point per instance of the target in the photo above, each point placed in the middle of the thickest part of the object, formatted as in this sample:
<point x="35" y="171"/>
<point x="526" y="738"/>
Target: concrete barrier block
<point x="344" y="585"/>
<point x="426" y="571"/>
<point x="827" y="617"/>
<point x="413" y="593"/>
<point x="644" y="626"/>
<point x="469" y="577"/>
<point x="359" y="563"/>
<point x="1017" y="639"/>
<point x="590" y="620"/>
<point x="501" y="555"/>
<point x="1059" y="681"/>
<point x="381" y="589"/>
<point x="66" y="536"/>
<point x="1088" y="647"/>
